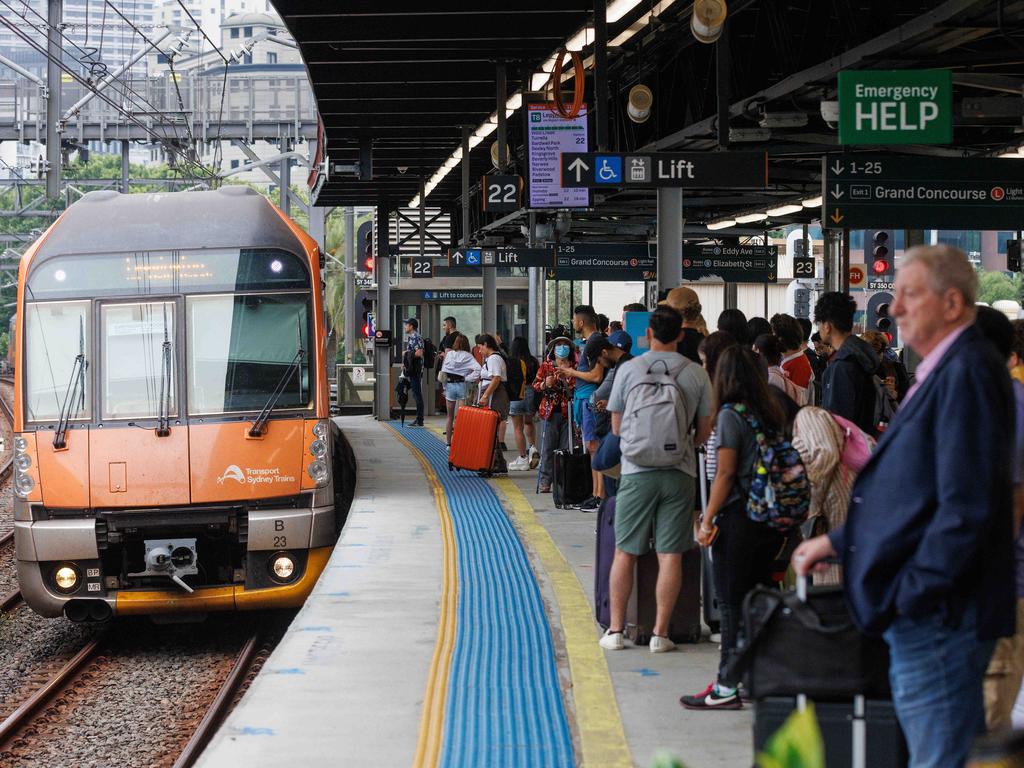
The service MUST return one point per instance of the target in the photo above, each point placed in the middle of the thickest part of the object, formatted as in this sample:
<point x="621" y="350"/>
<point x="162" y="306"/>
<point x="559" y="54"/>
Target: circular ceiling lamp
<point x="708" y="20"/>
<point x="640" y="101"/>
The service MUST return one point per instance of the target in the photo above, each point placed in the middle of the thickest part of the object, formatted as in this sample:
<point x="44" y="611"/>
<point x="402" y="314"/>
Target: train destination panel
<point x="879" y="190"/>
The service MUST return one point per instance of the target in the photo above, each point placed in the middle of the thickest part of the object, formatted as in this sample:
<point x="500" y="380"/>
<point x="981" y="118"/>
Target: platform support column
<point x="382" y="355"/>
<point x="670" y="237"/>
<point x="55" y="13"/>
<point x="348" y="299"/>
<point x="125" y="167"/>
<point x="286" y="178"/>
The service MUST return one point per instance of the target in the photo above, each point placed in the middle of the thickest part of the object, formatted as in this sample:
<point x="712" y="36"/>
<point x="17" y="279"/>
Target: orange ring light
<point x="579" y="73"/>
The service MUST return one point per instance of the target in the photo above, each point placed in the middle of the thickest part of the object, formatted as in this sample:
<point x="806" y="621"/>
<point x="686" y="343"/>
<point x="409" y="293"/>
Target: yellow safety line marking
<point x="428" y="746"/>
<point x="602" y="737"/>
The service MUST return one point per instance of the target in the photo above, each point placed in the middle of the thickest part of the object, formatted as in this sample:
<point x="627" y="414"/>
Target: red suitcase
<point x="474" y="438"/>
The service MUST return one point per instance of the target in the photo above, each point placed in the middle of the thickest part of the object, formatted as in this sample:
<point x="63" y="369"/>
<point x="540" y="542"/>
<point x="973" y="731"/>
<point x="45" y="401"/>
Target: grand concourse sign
<point x="886" y="191"/>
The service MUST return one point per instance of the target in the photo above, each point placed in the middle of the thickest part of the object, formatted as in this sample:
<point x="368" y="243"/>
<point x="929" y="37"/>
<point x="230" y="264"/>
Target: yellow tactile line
<point x="428" y="746"/>
<point x="602" y="736"/>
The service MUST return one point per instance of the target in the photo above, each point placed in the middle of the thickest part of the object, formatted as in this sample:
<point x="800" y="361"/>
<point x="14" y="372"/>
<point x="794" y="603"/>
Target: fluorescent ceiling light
<point x="785" y="210"/>
<point x="539" y="80"/>
<point x="812" y="202"/>
<point x="514" y="102"/>
<point x="723" y="224"/>
<point x="639" y="24"/>
<point x="619" y="8"/>
<point x="1016" y="155"/>
<point x="748" y="218"/>
<point x="580" y="40"/>
<point x="474" y="141"/>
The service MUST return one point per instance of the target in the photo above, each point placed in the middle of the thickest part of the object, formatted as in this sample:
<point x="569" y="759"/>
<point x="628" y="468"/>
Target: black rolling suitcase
<point x="684" y="626"/>
<point x="571" y="481"/>
<point x="604" y="554"/>
<point x="708" y="593"/>
<point x="804" y="646"/>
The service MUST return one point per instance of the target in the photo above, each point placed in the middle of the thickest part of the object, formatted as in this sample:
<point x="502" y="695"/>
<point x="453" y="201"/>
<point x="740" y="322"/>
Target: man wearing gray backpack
<point x="661" y="409"/>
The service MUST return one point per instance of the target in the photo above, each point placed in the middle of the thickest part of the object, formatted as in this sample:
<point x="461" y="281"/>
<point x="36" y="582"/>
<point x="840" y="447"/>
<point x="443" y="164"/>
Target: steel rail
<point x="221" y="704"/>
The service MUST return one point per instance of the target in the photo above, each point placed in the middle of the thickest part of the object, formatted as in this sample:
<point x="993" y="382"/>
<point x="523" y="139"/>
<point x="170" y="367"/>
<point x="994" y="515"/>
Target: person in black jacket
<point x="848" y="388"/>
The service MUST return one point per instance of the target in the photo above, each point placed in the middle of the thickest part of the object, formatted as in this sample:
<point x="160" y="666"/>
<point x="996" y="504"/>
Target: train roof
<point x="112" y="222"/>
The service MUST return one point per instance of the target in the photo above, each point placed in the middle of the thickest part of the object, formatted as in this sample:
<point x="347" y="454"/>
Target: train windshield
<point x="56" y="334"/>
<point x="137" y="349"/>
<point x="240" y="346"/>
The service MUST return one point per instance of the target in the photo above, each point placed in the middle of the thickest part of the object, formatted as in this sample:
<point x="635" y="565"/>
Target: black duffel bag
<point x="810" y="648"/>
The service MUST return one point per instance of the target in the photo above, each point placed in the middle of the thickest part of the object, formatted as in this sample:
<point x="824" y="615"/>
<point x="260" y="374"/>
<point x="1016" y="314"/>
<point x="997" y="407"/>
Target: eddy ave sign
<point x="904" y="106"/>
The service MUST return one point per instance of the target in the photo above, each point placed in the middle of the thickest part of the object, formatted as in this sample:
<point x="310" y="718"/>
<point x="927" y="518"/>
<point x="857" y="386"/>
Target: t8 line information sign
<point x="864" y="191"/>
<point x="548" y="136"/>
<point x="906" y="106"/>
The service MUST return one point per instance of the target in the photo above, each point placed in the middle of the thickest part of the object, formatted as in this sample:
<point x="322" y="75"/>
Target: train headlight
<point x="65" y="578"/>
<point x="282" y="567"/>
<point x="320" y="429"/>
<point x="20" y="444"/>
<point x="23" y="484"/>
<point x="22" y="462"/>
<point x="318" y="471"/>
<point x="318" y="448"/>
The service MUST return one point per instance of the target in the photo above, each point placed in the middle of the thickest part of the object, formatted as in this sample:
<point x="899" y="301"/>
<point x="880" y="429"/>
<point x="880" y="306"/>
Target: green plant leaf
<point x="797" y="744"/>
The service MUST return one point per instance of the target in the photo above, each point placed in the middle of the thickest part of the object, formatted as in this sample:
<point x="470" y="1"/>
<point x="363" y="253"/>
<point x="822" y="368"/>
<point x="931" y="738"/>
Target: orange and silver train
<point x="173" y="448"/>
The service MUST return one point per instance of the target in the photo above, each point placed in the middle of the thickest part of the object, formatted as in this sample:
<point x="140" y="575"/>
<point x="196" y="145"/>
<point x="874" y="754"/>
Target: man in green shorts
<point x="661" y="409"/>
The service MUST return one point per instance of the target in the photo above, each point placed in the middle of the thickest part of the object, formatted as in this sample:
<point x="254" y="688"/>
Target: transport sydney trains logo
<point x="254" y="476"/>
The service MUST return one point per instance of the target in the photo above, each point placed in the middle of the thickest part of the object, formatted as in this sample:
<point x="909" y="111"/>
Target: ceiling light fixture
<point x="812" y="202"/>
<point x="785" y="210"/>
<point x="722" y="224"/>
<point x="750" y="218"/>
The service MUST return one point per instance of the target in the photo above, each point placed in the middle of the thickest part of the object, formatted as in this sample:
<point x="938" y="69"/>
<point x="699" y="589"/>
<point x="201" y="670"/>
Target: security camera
<point x="403" y="168"/>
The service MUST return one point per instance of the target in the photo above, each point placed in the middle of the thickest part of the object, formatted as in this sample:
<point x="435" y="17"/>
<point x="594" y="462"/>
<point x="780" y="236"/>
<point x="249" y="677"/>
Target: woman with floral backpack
<point x="742" y="549"/>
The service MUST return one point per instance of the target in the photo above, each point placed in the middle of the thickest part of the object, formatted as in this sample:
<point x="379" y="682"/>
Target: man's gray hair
<point x="947" y="267"/>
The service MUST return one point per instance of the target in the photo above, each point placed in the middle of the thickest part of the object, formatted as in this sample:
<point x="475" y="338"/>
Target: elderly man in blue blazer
<point x="927" y="549"/>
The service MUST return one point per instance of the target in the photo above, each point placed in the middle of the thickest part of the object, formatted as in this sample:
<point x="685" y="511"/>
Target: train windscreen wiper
<point x="163" y="428"/>
<point x="261" y="420"/>
<point x="75" y="393"/>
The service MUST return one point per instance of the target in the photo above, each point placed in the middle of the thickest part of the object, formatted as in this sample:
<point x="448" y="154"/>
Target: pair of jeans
<point x="555" y="436"/>
<point x="416" y="383"/>
<point x="936" y="674"/>
<point x="742" y="557"/>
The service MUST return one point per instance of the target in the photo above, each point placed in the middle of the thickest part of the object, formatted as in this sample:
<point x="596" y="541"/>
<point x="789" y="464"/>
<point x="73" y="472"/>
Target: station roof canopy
<point x="409" y="75"/>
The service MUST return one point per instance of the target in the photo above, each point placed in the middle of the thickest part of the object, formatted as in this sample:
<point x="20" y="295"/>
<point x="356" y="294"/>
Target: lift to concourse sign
<point x="921" y="192"/>
<point x="702" y="170"/>
<point x="906" y="106"/>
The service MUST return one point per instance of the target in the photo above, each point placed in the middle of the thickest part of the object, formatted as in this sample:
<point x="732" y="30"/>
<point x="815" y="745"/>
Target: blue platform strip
<point x="504" y="704"/>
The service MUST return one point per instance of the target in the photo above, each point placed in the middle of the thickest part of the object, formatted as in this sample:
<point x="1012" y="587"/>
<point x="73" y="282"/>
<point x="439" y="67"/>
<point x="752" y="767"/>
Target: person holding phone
<point x="742" y="551"/>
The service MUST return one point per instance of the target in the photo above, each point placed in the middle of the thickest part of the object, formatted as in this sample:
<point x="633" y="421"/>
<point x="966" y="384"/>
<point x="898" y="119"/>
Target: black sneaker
<point x="590" y="505"/>
<point x="710" y="698"/>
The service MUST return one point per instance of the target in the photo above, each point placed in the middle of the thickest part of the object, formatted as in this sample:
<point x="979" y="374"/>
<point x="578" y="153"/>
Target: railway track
<point x="52" y="707"/>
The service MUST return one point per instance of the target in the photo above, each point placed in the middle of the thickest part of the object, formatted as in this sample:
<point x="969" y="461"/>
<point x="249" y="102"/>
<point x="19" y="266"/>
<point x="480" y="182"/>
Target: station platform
<point x="453" y="626"/>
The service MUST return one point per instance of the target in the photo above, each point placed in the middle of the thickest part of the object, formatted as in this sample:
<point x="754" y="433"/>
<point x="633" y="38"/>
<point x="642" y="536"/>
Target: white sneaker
<point x="612" y="641"/>
<point x="521" y="464"/>
<point x="534" y="456"/>
<point x="661" y="644"/>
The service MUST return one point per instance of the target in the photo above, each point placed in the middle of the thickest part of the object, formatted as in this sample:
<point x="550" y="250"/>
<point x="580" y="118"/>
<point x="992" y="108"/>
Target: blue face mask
<point x="562" y="350"/>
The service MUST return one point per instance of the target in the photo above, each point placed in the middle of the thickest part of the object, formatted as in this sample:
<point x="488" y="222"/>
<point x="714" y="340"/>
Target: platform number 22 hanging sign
<point x="502" y="193"/>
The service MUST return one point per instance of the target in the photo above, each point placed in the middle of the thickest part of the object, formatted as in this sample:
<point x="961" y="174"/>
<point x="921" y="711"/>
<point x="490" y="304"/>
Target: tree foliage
<point x="997" y="286"/>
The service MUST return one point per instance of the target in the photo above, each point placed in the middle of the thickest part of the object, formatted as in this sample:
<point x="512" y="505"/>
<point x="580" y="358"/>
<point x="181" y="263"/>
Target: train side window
<point x="138" y="359"/>
<point x="55" y="334"/>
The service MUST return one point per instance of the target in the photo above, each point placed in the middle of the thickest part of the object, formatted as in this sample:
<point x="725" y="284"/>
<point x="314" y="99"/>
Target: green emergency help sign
<point x="903" y="106"/>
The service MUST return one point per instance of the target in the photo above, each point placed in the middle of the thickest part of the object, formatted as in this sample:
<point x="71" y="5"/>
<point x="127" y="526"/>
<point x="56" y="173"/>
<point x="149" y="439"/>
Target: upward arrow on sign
<point x="579" y="167"/>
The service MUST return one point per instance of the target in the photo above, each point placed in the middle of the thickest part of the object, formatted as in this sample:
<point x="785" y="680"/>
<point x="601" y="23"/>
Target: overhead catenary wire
<point x="163" y="139"/>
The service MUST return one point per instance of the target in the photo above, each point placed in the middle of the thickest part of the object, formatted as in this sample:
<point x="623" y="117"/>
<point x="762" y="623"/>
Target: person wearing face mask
<point x="556" y="394"/>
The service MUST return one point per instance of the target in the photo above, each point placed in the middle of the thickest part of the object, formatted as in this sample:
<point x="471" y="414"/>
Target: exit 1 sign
<point x="902" y="106"/>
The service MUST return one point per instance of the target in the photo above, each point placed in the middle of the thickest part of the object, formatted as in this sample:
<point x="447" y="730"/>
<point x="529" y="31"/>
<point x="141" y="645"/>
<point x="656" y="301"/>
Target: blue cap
<point x="622" y="340"/>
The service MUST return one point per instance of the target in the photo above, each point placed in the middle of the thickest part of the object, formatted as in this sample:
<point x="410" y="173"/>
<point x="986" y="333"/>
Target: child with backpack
<point x="759" y="493"/>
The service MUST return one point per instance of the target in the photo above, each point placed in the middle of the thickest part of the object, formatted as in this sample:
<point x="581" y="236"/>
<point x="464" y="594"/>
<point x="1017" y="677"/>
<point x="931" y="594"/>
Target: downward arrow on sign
<point x="836" y="216"/>
<point x="837" y="193"/>
<point x="838" y="167"/>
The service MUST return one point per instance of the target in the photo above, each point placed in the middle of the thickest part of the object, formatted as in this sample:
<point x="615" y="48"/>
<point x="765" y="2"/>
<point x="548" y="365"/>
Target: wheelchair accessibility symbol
<point x="609" y="170"/>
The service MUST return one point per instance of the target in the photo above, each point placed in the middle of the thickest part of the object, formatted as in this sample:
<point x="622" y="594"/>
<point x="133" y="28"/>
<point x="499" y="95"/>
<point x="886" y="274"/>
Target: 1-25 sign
<point x="502" y="193"/>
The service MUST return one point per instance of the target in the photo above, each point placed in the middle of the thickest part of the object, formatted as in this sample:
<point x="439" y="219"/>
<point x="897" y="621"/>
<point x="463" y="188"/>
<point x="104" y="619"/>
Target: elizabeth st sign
<point x="665" y="169"/>
<point x="922" y="192"/>
<point x="732" y="263"/>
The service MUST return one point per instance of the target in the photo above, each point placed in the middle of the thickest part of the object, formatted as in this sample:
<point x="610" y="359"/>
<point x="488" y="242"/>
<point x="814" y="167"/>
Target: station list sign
<point x="864" y="191"/>
<point x="903" y="106"/>
<point x="548" y="135"/>
<point x="731" y="263"/>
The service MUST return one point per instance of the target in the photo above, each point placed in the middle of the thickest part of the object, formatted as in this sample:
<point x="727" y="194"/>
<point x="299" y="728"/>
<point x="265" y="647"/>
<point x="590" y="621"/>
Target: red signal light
<point x="367" y="264"/>
<point x="366" y="330"/>
<point x="880" y="266"/>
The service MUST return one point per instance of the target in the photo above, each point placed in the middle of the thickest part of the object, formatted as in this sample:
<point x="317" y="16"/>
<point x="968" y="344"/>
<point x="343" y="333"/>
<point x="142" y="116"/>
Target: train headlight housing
<point x="22" y="462"/>
<point x="20" y="444"/>
<point x="23" y="484"/>
<point x="318" y="448"/>
<point x="320" y="429"/>
<point x="318" y="472"/>
<point x="66" y="578"/>
<point x="282" y="567"/>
